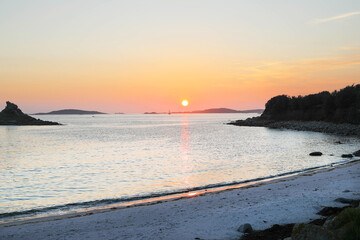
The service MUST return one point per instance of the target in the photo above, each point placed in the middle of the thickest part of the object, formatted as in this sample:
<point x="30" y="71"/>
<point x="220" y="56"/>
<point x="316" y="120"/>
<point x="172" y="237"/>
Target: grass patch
<point x="351" y="218"/>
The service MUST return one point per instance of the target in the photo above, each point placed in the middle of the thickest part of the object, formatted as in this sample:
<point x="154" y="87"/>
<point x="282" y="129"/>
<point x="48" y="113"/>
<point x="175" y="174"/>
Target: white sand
<point x="211" y="216"/>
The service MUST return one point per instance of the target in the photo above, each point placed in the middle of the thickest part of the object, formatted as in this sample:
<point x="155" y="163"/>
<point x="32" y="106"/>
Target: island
<point x="224" y="110"/>
<point x="12" y="115"/>
<point x="154" y="113"/>
<point x="70" y="111"/>
<point x="337" y="112"/>
<point x="213" y="110"/>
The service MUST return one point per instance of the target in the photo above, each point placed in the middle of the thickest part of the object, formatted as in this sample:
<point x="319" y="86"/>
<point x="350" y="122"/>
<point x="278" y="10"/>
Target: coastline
<point x="343" y="129"/>
<point x="210" y="215"/>
<point x="101" y="206"/>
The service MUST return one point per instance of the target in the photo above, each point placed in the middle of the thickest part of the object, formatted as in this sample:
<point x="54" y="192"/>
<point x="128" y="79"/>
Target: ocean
<point x="96" y="160"/>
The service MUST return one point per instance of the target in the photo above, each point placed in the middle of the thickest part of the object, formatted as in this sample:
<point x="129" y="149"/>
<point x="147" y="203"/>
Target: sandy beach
<point x="217" y="215"/>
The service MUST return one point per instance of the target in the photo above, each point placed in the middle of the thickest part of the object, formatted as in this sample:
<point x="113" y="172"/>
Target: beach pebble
<point x="315" y="154"/>
<point x="245" y="228"/>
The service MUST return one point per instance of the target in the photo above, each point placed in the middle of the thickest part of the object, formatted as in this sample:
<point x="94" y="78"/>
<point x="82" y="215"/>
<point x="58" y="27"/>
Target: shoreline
<point x="38" y="215"/>
<point x="213" y="205"/>
<point x="342" y="129"/>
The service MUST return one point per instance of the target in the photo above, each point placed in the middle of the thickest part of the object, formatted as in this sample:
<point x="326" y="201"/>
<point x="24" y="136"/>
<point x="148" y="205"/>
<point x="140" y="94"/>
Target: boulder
<point x="328" y="221"/>
<point x="245" y="228"/>
<point x="357" y="153"/>
<point x="343" y="226"/>
<point x="315" y="154"/>
<point x="328" y="211"/>
<point x="308" y="231"/>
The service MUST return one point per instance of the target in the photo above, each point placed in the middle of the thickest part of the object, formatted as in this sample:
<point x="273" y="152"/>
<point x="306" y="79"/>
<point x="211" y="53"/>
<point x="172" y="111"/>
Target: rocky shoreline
<point x="345" y="129"/>
<point x="336" y="223"/>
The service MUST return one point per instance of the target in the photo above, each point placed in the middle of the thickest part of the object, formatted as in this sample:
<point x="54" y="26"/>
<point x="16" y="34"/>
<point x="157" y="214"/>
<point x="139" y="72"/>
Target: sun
<point x="185" y="102"/>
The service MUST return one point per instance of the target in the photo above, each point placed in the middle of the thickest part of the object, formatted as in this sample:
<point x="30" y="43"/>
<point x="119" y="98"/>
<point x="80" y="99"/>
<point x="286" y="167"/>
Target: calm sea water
<point x="124" y="156"/>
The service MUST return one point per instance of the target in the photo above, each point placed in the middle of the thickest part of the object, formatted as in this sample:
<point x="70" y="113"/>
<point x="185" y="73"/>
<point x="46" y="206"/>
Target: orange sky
<point x="134" y="58"/>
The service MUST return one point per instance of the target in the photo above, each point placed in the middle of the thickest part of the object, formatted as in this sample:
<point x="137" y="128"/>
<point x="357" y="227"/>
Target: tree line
<point x="341" y="106"/>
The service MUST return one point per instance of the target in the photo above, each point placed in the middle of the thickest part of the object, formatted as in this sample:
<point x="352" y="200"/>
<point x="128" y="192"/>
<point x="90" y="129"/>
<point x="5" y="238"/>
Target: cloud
<point x="342" y="16"/>
<point x="292" y="69"/>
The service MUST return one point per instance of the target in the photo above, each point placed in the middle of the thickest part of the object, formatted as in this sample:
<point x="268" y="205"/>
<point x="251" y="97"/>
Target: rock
<point x="345" y="129"/>
<point x="328" y="211"/>
<point x="245" y="228"/>
<point x="12" y="115"/>
<point x="357" y="153"/>
<point x="347" y="156"/>
<point x="340" y="221"/>
<point x="311" y="232"/>
<point x="315" y="154"/>
<point x="328" y="221"/>
<point x="332" y="223"/>
<point x="337" y="227"/>
<point x="344" y="200"/>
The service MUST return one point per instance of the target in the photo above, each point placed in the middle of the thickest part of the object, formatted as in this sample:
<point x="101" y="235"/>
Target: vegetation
<point x="341" y="106"/>
<point x="350" y="218"/>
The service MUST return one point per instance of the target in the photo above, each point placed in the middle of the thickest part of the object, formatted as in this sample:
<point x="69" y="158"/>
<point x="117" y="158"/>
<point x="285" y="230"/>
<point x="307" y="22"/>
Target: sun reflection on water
<point x="192" y="194"/>
<point x="185" y="149"/>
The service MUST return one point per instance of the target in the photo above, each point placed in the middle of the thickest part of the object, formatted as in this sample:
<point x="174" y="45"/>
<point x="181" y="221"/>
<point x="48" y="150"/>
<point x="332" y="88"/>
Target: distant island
<point x="337" y="112"/>
<point x="155" y="113"/>
<point x="215" y="110"/>
<point x="70" y="111"/>
<point x="12" y="115"/>
<point x="224" y="110"/>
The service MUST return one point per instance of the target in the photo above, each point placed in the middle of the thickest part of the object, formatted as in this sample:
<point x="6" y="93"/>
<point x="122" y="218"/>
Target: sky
<point x="136" y="56"/>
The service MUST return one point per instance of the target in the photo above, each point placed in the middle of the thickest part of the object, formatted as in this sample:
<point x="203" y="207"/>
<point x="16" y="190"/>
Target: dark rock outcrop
<point x="275" y="232"/>
<point x="343" y="225"/>
<point x="309" y="231"/>
<point x="329" y="211"/>
<point x="344" y="129"/>
<point x="339" y="223"/>
<point x="12" y="115"/>
<point x="357" y="153"/>
<point x="315" y="154"/>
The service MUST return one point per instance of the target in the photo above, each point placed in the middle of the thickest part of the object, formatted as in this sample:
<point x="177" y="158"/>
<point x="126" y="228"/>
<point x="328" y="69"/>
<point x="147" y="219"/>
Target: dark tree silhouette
<point x="341" y="106"/>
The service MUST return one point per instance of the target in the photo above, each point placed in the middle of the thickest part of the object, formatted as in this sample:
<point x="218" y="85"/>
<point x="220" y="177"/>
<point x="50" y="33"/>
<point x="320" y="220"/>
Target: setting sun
<point x="185" y="102"/>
